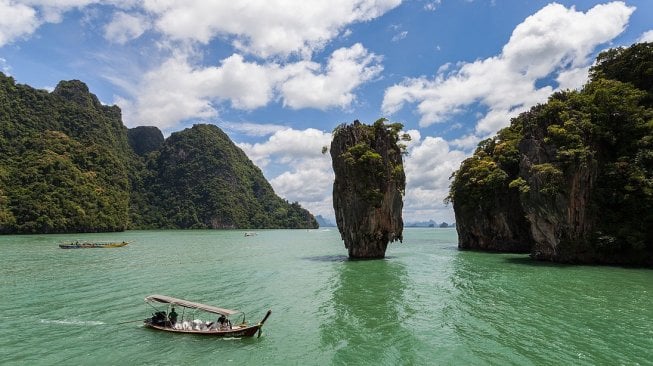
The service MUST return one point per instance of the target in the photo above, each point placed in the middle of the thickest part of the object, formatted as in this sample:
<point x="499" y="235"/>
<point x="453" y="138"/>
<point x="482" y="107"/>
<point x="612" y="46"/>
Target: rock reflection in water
<point x="368" y="311"/>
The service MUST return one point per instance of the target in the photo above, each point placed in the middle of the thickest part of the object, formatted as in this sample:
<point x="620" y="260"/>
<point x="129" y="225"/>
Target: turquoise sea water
<point x="427" y="303"/>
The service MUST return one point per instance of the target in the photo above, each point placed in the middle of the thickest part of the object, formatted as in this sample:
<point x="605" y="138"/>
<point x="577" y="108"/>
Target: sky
<point x="279" y="75"/>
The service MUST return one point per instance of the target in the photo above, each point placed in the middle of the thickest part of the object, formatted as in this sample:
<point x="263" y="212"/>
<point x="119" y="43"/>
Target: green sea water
<point x="427" y="303"/>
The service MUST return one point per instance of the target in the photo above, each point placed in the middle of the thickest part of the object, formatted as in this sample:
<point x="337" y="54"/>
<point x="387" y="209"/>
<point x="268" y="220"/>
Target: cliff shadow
<point x="528" y="261"/>
<point x="343" y="258"/>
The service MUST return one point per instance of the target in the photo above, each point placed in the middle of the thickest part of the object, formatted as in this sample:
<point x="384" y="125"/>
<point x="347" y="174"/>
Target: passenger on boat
<point x="223" y="323"/>
<point x="172" y="317"/>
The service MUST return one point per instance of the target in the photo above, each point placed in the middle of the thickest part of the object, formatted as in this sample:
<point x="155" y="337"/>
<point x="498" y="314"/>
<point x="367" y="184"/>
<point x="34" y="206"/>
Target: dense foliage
<point x="200" y="179"/>
<point x="365" y="158"/>
<point x="67" y="164"/>
<point x="64" y="161"/>
<point x="601" y="135"/>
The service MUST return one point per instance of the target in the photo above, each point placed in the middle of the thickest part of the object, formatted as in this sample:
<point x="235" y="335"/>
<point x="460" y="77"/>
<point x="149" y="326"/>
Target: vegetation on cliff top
<point x="364" y="159"/>
<point x="605" y="129"/>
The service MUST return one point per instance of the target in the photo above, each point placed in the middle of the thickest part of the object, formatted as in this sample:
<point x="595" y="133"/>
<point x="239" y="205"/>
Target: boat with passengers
<point x="183" y="316"/>
<point x="96" y="244"/>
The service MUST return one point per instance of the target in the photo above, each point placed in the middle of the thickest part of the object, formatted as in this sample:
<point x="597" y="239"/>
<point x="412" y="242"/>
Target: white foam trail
<point x="72" y="322"/>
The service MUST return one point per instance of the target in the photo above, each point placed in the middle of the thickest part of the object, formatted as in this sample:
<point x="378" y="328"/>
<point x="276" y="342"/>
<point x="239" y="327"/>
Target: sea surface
<point x="427" y="303"/>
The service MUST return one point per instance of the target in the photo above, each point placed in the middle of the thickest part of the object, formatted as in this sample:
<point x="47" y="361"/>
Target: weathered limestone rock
<point x="369" y="186"/>
<point x="498" y="227"/>
<point x="571" y="178"/>
<point x="561" y="222"/>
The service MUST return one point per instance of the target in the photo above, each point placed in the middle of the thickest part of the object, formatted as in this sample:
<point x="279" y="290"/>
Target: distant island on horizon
<point x="325" y="222"/>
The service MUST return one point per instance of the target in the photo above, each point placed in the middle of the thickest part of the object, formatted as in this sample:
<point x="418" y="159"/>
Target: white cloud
<point x="428" y="166"/>
<point x="178" y="90"/>
<point x="20" y="19"/>
<point x="289" y="146"/>
<point x="125" y="27"/>
<point x="252" y="129"/>
<point x="399" y="36"/>
<point x="432" y="5"/>
<point x="4" y="67"/>
<point x="466" y="143"/>
<point x="646" y="37"/>
<point x="573" y="78"/>
<point x="310" y="177"/>
<point x="346" y="69"/>
<point x="17" y="21"/>
<point x="554" y="42"/>
<point x="264" y="28"/>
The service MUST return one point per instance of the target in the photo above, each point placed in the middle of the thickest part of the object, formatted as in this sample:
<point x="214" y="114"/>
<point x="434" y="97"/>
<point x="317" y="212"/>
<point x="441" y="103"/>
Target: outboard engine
<point x="158" y="318"/>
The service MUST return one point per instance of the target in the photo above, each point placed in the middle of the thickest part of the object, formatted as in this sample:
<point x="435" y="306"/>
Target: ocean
<point x="426" y="303"/>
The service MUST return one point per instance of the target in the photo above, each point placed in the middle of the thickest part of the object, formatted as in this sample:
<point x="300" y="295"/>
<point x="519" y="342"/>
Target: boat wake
<point x="72" y="322"/>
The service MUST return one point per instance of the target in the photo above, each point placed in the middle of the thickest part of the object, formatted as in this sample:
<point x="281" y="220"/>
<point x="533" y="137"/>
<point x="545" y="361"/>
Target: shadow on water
<point x="342" y="258"/>
<point x="328" y="258"/>
<point x="528" y="261"/>
<point x="366" y="325"/>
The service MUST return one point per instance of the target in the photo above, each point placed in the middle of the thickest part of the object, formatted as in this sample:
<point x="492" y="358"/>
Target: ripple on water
<point x="426" y="303"/>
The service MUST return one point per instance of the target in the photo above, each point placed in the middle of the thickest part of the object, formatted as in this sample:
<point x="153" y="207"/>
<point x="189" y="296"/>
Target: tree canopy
<point x="68" y="164"/>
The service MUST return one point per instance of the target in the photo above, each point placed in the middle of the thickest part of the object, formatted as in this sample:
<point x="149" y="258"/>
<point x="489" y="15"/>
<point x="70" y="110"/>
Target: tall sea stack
<point x="368" y="187"/>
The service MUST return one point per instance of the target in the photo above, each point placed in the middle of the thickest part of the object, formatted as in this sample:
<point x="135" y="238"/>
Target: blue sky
<point x="278" y="76"/>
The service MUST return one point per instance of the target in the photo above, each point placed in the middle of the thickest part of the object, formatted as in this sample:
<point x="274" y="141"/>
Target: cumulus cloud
<point x="251" y="129"/>
<point x="125" y="27"/>
<point x="554" y="42"/>
<point x="264" y="28"/>
<point x="21" y="19"/>
<point x="646" y="37"/>
<point x="428" y="166"/>
<point x="17" y="21"/>
<point x="346" y="69"/>
<point x="399" y="36"/>
<point x="289" y="146"/>
<point x="4" y="67"/>
<point x="432" y="5"/>
<point x="310" y="177"/>
<point x="179" y="90"/>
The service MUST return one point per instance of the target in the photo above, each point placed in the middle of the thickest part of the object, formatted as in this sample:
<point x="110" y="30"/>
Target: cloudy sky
<point x="279" y="75"/>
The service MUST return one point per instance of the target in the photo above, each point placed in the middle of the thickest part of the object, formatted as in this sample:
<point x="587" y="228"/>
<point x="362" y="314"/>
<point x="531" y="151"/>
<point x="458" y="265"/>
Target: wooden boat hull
<point x="93" y="245"/>
<point x="236" y="332"/>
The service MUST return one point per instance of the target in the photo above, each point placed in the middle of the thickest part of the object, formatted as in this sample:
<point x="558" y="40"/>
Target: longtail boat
<point x="170" y="320"/>
<point x="85" y="244"/>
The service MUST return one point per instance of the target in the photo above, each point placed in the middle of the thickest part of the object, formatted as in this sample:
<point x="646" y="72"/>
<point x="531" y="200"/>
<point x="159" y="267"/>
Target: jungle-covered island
<point x="369" y="186"/>
<point x="570" y="180"/>
<point x="68" y="164"/>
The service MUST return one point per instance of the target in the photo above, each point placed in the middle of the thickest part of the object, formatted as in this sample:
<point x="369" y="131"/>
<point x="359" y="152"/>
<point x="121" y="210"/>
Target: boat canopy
<point x="189" y="304"/>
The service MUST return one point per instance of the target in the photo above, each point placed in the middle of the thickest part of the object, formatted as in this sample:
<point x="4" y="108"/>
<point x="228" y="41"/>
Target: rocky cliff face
<point x="570" y="180"/>
<point x="145" y="139"/>
<point x="558" y="205"/>
<point x="368" y="187"/>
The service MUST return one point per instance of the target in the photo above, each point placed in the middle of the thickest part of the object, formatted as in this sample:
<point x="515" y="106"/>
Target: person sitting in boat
<point x="172" y="317"/>
<point x="223" y="323"/>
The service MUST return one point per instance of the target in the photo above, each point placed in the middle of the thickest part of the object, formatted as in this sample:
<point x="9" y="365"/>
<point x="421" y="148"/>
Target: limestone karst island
<point x="329" y="183"/>
<point x="369" y="186"/>
<point x="570" y="180"/>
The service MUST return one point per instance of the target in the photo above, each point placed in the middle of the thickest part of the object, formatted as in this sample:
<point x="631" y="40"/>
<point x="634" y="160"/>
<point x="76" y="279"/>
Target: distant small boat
<point x="250" y="233"/>
<point x="86" y="244"/>
<point x="167" y="320"/>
